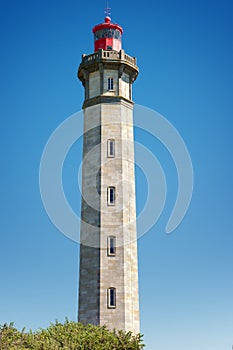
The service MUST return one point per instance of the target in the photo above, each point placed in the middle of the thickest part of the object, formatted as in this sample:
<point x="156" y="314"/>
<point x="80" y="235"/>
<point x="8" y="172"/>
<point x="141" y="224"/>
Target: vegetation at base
<point x="68" y="336"/>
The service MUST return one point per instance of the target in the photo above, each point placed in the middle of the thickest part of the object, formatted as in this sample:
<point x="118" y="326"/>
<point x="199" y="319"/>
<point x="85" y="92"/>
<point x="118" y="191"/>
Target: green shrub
<point x="68" y="336"/>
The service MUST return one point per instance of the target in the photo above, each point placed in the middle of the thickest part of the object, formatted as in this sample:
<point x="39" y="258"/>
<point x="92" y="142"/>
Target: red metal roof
<point x="107" y="24"/>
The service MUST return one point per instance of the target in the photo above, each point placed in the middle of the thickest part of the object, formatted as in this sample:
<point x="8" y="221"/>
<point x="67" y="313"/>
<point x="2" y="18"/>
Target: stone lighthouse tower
<point x="108" y="279"/>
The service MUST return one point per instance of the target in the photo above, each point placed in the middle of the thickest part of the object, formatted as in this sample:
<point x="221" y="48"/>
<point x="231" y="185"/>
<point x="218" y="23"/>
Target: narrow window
<point x="111" y="298"/>
<point x="111" y="246"/>
<point x="111" y="195"/>
<point x="110" y="83"/>
<point x="111" y="148"/>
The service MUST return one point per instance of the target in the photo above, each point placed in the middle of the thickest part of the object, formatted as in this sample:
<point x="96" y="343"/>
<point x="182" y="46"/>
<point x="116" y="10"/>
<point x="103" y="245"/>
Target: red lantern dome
<point x="107" y="36"/>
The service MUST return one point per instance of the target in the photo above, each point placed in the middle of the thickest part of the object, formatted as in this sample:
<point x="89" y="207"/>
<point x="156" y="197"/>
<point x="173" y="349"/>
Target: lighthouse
<point x="108" y="275"/>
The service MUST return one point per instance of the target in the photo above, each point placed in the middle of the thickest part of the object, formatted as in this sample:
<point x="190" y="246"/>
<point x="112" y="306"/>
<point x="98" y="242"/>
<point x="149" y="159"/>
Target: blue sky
<point x="184" y="52"/>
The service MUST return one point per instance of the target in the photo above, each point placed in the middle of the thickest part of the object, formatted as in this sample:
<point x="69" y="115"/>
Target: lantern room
<point x="107" y="35"/>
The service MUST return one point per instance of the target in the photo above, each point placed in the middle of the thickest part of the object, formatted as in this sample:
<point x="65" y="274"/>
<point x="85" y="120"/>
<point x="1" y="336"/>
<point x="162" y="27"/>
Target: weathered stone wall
<point x="108" y="115"/>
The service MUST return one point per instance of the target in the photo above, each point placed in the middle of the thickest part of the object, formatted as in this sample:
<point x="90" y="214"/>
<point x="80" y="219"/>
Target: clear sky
<point x="184" y="50"/>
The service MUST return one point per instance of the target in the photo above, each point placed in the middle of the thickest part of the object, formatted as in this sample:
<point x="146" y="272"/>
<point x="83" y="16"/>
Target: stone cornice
<point x="107" y="99"/>
<point x="108" y="60"/>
